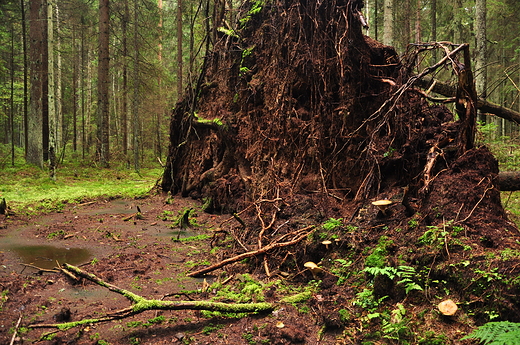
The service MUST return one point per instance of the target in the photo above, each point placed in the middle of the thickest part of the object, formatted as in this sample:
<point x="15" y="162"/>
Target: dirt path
<point x="135" y="254"/>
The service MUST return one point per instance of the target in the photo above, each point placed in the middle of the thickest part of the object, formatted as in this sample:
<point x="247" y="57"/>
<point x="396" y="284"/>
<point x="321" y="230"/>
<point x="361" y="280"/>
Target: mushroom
<point x="382" y="205"/>
<point x="447" y="307"/>
<point x="326" y="243"/>
<point x="313" y="268"/>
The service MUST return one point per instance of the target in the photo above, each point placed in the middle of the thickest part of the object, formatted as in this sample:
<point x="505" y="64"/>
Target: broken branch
<point x="141" y="304"/>
<point x="246" y="255"/>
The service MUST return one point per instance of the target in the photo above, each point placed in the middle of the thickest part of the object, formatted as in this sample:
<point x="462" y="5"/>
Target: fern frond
<point x="497" y="333"/>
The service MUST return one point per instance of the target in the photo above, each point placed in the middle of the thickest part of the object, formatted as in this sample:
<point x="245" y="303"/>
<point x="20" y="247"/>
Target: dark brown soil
<point x="139" y="255"/>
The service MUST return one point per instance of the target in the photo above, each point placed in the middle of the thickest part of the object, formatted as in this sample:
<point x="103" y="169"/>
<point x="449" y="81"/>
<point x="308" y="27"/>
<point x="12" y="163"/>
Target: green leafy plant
<point x="396" y="327"/>
<point x="496" y="333"/>
<point x="406" y="273"/>
<point x="332" y="224"/>
<point x="378" y="256"/>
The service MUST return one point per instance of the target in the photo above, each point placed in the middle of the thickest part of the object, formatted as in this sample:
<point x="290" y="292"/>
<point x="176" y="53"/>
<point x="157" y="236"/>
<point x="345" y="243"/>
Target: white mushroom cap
<point x="384" y="203"/>
<point x="326" y="243"/>
<point x="312" y="267"/>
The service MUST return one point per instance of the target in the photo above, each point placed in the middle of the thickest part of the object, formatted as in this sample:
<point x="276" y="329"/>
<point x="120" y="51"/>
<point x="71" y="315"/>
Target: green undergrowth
<point x="28" y="189"/>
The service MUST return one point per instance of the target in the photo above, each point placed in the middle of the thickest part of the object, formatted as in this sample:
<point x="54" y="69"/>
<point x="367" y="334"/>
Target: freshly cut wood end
<point x="448" y="307"/>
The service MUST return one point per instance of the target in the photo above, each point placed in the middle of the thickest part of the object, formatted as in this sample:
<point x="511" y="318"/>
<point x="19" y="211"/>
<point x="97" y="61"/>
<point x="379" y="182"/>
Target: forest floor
<point x="142" y="254"/>
<point x="135" y="254"/>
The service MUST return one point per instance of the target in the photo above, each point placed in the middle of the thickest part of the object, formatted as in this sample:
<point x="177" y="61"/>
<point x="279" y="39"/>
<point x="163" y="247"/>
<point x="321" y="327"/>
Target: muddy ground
<point x="136" y="254"/>
<point x="142" y="255"/>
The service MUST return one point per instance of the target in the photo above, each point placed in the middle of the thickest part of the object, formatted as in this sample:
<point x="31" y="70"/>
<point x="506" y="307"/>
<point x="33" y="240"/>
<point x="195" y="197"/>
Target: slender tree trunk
<point x="388" y="34"/>
<point x="103" y="130"/>
<point x="124" y="94"/>
<point x="407" y="18"/>
<point x="82" y="90"/>
<point x="418" y="22"/>
<point x="433" y="25"/>
<point x="158" y="113"/>
<point x="38" y="55"/>
<point x="179" y="48"/>
<point x="74" y="91"/>
<point x="11" y="96"/>
<point x="25" y="72"/>
<point x="135" y="108"/>
<point x="457" y="22"/>
<point x="60" y="130"/>
<point x="481" y="51"/>
<point x="53" y="123"/>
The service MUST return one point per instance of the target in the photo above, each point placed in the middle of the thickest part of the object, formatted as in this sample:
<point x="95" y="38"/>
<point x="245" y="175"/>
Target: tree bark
<point x="433" y="24"/>
<point x="135" y="103"/>
<point x="124" y="95"/>
<point x="103" y="144"/>
<point x="53" y="123"/>
<point x="179" y="49"/>
<point x="509" y="180"/>
<point x="481" y="51"/>
<point x="388" y="34"/>
<point x="25" y="72"/>
<point x="38" y="53"/>
<point x="483" y="105"/>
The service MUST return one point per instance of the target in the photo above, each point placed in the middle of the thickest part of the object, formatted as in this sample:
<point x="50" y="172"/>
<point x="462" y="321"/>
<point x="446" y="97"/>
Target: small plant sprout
<point x="447" y="307"/>
<point x="313" y="268"/>
<point x="327" y="243"/>
<point x="382" y="205"/>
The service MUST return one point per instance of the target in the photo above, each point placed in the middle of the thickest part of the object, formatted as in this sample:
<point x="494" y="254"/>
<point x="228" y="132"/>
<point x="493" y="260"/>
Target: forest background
<point x="93" y="82"/>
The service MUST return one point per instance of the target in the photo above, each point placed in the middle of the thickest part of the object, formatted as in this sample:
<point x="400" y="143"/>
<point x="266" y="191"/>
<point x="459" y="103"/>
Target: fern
<point x="497" y="333"/>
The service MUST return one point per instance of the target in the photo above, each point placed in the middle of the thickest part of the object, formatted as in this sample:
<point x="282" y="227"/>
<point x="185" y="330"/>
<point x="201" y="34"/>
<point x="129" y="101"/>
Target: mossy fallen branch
<point x="141" y="304"/>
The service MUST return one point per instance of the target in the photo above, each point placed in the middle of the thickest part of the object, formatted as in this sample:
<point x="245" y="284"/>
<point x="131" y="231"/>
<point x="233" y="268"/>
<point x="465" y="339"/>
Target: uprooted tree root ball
<point x="298" y="117"/>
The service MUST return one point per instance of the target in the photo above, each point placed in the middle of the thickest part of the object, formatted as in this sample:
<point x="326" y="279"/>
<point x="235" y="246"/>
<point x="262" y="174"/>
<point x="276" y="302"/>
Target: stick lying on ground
<point x="141" y="304"/>
<point x="260" y="251"/>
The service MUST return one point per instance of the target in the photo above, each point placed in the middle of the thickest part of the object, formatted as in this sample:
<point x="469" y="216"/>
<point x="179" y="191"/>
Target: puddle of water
<point x="46" y="256"/>
<point x="113" y="207"/>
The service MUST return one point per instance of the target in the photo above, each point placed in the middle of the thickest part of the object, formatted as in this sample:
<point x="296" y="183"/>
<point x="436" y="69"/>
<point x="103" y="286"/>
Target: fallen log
<point x="509" y="180"/>
<point x="482" y="104"/>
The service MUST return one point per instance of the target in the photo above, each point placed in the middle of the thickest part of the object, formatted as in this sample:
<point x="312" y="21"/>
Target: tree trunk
<point x="457" y="22"/>
<point x="179" y="48"/>
<point x="124" y="95"/>
<point x="483" y="105"/>
<point x="38" y="53"/>
<point x="25" y="72"/>
<point x="388" y="32"/>
<point x="51" y="92"/>
<point x="481" y="51"/>
<point x="11" y="95"/>
<point x="74" y="91"/>
<point x="433" y="25"/>
<point x="103" y="130"/>
<point x="418" y="22"/>
<point x="135" y="103"/>
<point x="60" y="123"/>
<point x="509" y="180"/>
